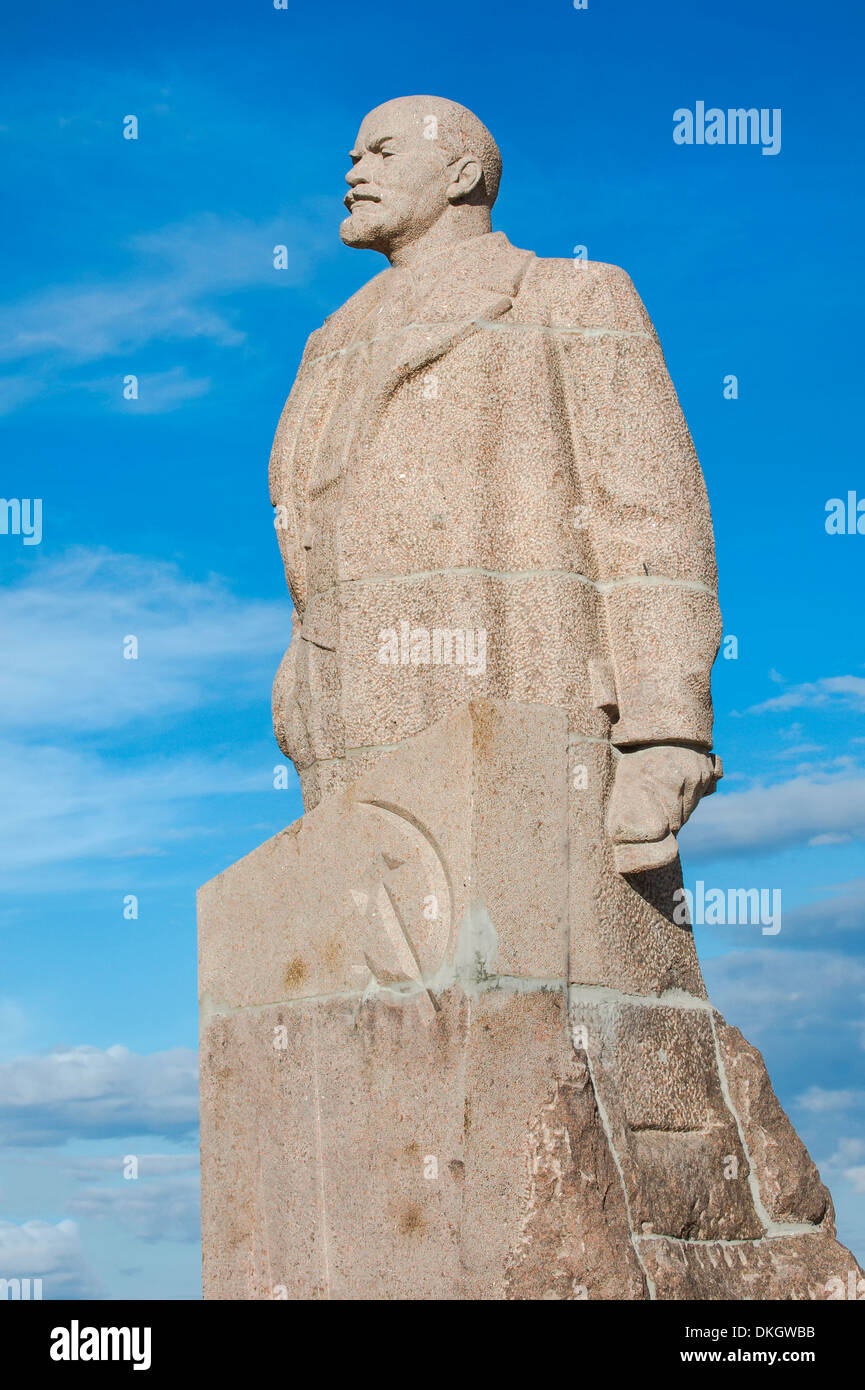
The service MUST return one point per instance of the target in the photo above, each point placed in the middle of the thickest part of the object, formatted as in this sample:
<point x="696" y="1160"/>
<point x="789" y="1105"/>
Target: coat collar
<point x="468" y="281"/>
<point x="481" y="266"/>
<point x="456" y="293"/>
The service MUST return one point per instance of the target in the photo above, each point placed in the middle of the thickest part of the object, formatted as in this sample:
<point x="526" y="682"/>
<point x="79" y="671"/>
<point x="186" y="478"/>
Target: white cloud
<point x="856" y="1178"/>
<point x="84" y="325"/>
<point x="170" y="293"/>
<point x="849" y="1150"/>
<point x="844" y="911"/>
<point x="821" y="1101"/>
<point x="82" y="1092"/>
<point x="799" y="750"/>
<point x="775" y="817"/>
<point x="148" y="1165"/>
<point x="203" y="258"/>
<point x="842" y="691"/>
<point x="71" y="806"/>
<point x="211" y="254"/>
<point x="65" y="621"/>
<point x="161" y="1209"/>
<point x="158" y="392"/>
<point x="786" y="993"/>
<point x="38" y="1250"/>
<point x="844" y="1163"/>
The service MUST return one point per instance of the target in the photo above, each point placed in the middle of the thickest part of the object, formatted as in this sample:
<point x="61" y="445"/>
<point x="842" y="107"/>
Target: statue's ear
<point x="467" y="176"/>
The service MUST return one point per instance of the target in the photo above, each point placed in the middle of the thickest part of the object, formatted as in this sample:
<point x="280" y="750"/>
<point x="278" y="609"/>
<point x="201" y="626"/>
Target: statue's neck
<point x="441" y="237"/>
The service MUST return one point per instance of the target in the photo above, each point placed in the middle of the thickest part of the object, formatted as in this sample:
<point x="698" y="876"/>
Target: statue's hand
<point x="654" y="792"/>
<point x="289" y="724"/>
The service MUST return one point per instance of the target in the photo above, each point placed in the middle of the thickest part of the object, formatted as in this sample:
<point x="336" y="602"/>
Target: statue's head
<point x="423" y="168"/>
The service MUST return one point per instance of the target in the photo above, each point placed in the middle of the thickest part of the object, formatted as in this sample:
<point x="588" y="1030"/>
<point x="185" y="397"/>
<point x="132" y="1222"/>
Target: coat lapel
<point x="454" y="297"/>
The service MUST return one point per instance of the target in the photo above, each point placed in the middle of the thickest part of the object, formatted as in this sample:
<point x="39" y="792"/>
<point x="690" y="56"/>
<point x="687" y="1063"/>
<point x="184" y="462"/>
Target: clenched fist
<point x="654" y="792"/>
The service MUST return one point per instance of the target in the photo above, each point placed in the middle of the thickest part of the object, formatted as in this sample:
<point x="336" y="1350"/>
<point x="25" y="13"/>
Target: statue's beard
<point x="361" y="229"/>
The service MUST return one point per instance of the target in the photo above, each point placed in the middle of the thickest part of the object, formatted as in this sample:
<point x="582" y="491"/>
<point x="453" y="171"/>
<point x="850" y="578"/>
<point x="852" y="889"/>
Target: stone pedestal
<point x="448" y="1053"/>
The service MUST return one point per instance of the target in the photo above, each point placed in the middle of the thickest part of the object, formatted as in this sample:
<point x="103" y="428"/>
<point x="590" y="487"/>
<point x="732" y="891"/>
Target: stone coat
<point x="489" y="443"/>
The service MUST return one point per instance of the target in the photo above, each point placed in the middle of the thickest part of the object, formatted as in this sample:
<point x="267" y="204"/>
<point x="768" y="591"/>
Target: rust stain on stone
<point x="332" y="952"/>
<point x="295" y="973"/>
<point x="411" y="1219"/>
<point x="484" y="723"/>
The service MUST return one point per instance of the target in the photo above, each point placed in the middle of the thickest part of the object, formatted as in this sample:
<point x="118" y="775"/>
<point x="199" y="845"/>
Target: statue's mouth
<point x="352" y="199"/>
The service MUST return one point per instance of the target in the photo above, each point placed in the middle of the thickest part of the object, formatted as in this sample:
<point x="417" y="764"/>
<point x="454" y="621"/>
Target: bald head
<point x="425" y="173"/>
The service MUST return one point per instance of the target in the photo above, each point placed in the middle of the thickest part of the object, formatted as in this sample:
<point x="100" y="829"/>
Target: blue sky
<point x="154" y="257"/>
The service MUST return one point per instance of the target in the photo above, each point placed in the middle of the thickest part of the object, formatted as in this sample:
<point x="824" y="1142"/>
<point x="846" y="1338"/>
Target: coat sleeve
<point x="288" y="721"/>
<point x="285" y="492"/>
<point x="647" y="514"/>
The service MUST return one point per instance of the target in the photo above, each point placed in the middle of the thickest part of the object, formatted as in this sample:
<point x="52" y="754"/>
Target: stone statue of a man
<point x="469" y="952"/>
<point x="485" y="487"/>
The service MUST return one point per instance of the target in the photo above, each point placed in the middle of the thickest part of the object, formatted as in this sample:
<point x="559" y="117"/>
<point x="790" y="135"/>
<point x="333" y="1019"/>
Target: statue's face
<point x="398" y="181"/>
